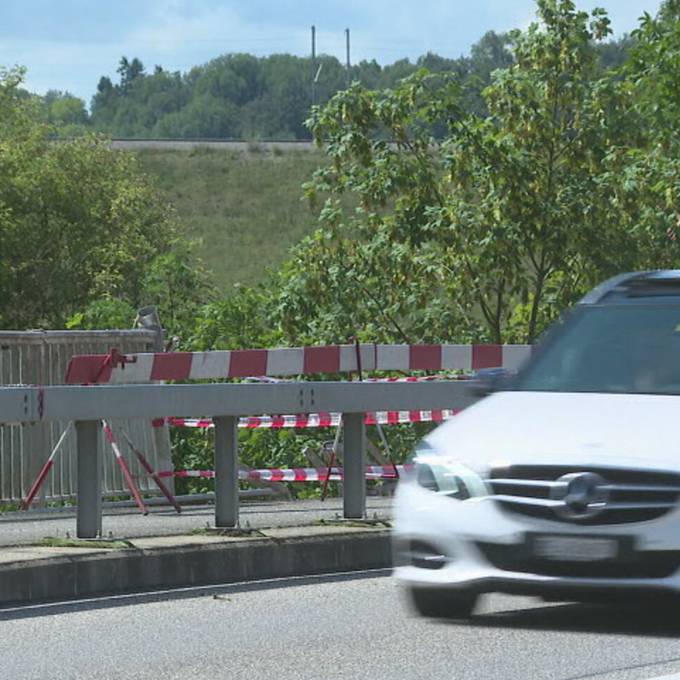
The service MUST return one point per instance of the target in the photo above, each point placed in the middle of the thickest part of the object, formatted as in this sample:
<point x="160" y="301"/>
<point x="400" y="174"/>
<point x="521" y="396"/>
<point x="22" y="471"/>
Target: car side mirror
<point x="488" y="380"/>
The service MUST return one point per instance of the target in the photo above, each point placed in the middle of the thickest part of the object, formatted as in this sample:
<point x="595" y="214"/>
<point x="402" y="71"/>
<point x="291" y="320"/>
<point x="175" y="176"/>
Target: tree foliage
<point x="654" y="68"/>
<point x="65" y="109"/>
<point x="247" y="97"/>
<point x="649" y="190"/>
<point x="79" y="224"/>
<point x="551" y="185"/>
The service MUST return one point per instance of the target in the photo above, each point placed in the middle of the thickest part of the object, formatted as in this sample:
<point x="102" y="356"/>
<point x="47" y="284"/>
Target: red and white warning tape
<point x="419" y="378"/>
<point x="290" y="361"/>
<point x="323" y="419"/>
<point x="296" y="474"/>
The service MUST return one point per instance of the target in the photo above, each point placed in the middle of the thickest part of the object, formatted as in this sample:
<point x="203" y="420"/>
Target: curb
<point x="123" y="571"/>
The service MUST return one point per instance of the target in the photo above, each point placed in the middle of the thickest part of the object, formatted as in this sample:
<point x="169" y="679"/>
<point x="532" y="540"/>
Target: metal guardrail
<point x="88" y="405"/>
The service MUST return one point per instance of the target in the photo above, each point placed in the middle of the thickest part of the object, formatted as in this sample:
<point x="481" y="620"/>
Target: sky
<point x="69" y="44"/>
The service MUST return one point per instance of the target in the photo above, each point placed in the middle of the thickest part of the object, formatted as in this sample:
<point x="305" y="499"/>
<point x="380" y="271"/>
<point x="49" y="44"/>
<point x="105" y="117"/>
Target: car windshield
<point x="627" y="348"/>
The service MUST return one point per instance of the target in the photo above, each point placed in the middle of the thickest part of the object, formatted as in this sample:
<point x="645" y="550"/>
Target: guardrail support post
<point x="226" y="471"/>
<point x="354" y="464"/>
<point x="89" y="511"/>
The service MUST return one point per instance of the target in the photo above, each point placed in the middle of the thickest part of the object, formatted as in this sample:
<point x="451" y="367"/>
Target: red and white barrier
<point x="291" y="361"/>
<point x="122" y="463"/>
<point x="35" y="487"/>
<point x="120" y="460"/>
<point x="323" y="419"/>
<point x="296" y="474"/>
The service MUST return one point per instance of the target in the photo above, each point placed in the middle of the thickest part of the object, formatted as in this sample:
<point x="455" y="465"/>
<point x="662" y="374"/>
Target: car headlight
<point x="446" y="476"/>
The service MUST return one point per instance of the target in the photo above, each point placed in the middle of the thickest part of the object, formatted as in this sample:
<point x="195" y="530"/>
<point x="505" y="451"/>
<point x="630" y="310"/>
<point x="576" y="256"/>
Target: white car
<point x="565" y="482"/>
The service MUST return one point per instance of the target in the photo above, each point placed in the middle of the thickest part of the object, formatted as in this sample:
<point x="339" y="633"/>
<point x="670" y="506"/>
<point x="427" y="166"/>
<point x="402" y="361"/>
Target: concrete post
<point x="354" y="464"/>
<point x="226" y="471"/>
<point x="89" y="512"/>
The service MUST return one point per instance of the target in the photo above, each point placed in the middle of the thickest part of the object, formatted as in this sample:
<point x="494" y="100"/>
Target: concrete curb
<point x="223" y="561"/>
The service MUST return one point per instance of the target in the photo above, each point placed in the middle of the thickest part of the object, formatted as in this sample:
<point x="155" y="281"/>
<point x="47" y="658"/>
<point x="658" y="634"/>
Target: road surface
<point x="330" y="627"/>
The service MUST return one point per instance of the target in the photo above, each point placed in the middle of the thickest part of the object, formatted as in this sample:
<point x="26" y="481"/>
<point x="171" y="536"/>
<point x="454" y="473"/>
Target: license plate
<point x="575" y="548"/>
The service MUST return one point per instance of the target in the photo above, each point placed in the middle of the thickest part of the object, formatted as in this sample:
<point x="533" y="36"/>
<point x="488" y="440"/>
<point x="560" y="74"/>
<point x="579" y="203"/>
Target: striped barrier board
<point x="296" y="474"/>
<point x="311" y="420"/>
<point x="290" y="361"/>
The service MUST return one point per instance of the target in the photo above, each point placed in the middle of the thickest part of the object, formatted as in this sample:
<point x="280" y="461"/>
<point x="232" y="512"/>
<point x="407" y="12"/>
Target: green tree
<point x="63" y="108"/>
<point x="240" y="321"/>
<point x="491" y="232"/>
<point x="129" y="72"/>
<point x="240" y="95"/>
<point x="648" y="173"/>
<point x="615" y="53"/>
<point x="653" y="68"/>
<point x="79" y="223"/>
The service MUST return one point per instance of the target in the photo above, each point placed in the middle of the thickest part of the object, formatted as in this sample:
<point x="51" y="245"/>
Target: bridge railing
<point x="41" y="358"/>
<point x="86" y="406"/>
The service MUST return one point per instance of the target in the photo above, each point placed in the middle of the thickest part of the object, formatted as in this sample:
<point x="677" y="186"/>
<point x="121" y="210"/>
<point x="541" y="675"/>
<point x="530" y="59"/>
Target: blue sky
<point x="70" y="44"/>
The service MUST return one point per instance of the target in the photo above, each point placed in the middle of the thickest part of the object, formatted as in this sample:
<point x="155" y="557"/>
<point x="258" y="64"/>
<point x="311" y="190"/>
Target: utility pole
<point x="314" y="74"/>
<point x="348" y="64"/>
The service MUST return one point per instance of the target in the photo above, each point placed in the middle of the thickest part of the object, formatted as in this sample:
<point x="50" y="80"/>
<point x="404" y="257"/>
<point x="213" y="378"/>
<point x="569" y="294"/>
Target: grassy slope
<point x="244" y="208"/>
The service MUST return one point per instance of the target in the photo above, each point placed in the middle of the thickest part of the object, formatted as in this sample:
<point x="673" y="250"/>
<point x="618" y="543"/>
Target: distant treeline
<point x="241" y="96"/>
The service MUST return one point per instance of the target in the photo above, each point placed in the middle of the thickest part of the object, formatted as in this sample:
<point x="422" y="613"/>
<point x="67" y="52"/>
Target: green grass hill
<point x="244" y="208"/>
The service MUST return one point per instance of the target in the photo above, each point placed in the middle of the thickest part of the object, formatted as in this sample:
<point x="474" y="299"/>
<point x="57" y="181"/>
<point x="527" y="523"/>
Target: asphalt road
<point x="330" y="628"/>
<point x="22" y="528"/>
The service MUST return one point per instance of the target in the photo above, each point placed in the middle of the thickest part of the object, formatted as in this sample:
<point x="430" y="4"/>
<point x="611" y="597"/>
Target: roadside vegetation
<point x="474" y="226"/>
<point x="85" y="237"/>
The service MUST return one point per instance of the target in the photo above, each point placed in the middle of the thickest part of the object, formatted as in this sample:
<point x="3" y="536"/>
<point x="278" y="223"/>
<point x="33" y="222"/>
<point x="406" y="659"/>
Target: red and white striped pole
<point x="35" y="487"/>
<point x="152" y="473"/>
<point x="332" y="461"/>
<point x="124" y="468"/>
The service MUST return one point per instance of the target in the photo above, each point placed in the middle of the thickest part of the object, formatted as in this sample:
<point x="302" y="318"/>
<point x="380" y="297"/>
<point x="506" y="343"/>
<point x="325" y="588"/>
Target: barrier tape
<point x="289" y="361"/>
<point x="311" y="420"/>
<point x="418" y="378"/>
<point x="296" y="474"/>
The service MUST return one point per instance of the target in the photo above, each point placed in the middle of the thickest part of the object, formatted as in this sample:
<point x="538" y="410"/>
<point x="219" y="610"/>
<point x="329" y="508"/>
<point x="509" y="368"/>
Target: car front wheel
<point x="443" y="603"/>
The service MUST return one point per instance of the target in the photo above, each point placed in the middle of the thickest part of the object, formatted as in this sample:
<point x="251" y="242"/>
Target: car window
<point x="627" y="348"/>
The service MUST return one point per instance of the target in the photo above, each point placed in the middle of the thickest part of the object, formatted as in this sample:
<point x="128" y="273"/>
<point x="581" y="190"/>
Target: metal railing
<point x="41" y="358"/>
<point x="86" y="406"/>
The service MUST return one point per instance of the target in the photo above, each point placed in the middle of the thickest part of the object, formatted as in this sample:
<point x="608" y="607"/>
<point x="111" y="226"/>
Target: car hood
<point x="641" y="431"/>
